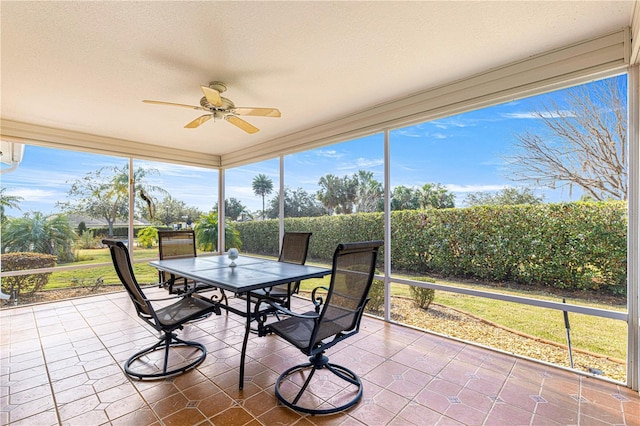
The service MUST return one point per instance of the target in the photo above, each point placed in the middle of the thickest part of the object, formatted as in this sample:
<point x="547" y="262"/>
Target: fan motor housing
<point x="226" y="104"/>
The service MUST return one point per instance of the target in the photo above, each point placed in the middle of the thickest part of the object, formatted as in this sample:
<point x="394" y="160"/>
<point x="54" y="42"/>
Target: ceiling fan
<point x="219" y="107"/>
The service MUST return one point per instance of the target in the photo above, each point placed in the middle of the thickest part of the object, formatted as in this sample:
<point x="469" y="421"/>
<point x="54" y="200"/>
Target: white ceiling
<point x="86" y="66"/>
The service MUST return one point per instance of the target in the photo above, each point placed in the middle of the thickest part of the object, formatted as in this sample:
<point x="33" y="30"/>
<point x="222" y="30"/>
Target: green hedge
<point x="577" y="246"/>
<point x="261" y="237"/>
<point x="20" y="261"/>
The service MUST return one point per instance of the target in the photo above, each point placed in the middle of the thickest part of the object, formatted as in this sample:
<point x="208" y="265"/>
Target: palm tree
<point x="35" y="232"/>
<point x="11" y="201"/>
<point x="370" y="195"/>
<point x="405" y="198"/>
<point x="329" y="193"/>
<point x="207" y="233"/>
<point x="262" y="186"/>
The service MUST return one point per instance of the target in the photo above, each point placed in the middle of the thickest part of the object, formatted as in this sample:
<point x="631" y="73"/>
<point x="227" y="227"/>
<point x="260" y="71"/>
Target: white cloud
<point x="329" y="153"/>
<point x="35" y="194"/>
<point x="366" y="162"/>
<point x="474" y="188"/>
<point x="362" y="163"/>
<point x="409" y="132"/>
<point x="453" y="122"/>
<point x="538" y="115"/>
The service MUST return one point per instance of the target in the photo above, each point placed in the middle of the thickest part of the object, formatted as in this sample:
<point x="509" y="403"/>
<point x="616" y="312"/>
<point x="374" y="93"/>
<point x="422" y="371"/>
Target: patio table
<point x="250" y="273"/>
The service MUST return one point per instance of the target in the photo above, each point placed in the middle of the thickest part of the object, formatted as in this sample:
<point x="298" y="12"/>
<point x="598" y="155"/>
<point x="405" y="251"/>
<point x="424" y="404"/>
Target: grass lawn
<point x="598" y="335"/>
<point x="144" y="273"/>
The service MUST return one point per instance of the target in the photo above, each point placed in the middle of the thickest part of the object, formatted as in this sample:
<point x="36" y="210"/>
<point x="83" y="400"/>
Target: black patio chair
<point x="166" y="320"/>
<point x="180" y="245"/>
<point x="295" y="246"/>
<point x="337" y="315"/>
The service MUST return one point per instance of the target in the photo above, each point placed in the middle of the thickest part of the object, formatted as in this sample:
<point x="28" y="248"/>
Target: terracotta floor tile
<point x="201" y="390"/>
<point x="29" y="395"/>
<point x="418" y="414"/>
<point x="234" y="416"/>
<point x="370" y="413"/>
<point x="260" y="403"/>
<point x="215" y="404"/>
<point x="141" y="417"/>
<point x="280" y="415"/>
<point x="93" y="417"/>
<point x="46" y="418"/>
<point x="409" y="377"/>
<point x="160" y="391"/>
<point x="78" y="407"/>
<point x="172" y="404"/>
<point x="186" y="416"/>
<point x="465" y="414"/>
<point x="32" y="408"/>
<point x="503" y="414"/>
<point x="124" y="406"/>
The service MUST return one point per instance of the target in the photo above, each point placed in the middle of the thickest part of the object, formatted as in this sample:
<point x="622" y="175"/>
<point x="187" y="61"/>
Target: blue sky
<point x="465" y="153"/>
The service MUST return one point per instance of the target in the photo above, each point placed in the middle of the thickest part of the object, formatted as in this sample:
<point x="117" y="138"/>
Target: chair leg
<point x="318" y="362"/>
<point x="165" y="344"/>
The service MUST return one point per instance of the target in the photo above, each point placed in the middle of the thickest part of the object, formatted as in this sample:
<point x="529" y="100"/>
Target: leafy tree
<point x="436" y="196"/>
<point x="82" y="228"/>
<point x="170" y="210"/>
<point x="506" y="196"/>
<point x="262" y="186"/>
<point x="583" y="143"/>
<point x="10" y="201"/>
<point x="297" y="203"/>
<point x="233" y="209"/>
<point x="405" y="198"/>
<point x="105" y="194"/>
<point x="207" y="233"/>
<point x="35" y="232"/>
<point x="370" y="194"/>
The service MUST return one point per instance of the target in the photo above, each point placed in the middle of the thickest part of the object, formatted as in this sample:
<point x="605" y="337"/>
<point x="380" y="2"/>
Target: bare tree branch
<point x="583" y="144"/>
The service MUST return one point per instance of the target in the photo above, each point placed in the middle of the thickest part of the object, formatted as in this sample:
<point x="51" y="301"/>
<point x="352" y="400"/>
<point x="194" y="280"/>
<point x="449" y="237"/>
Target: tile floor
<point x="61" y="364"/>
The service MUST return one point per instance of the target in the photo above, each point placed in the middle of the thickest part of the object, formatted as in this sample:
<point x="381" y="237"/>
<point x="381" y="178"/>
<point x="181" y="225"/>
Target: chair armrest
<point x="281" y="309"/>
<point x="318" y="300"/>
<point x="176" y="296"/>
<point x="261" y="316"/>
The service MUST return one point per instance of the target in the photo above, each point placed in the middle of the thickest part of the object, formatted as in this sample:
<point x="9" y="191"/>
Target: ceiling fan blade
<point x="239" y="122"/>
<point x="212" y="95"/>
<point x="262" y="112"/>
<point x="198" y="121"/>
<point x="146" y="101"/>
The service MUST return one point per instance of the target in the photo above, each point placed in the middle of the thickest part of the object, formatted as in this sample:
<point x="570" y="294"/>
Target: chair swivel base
<point x="164" y="345"/>
<point x="318" y="362"/>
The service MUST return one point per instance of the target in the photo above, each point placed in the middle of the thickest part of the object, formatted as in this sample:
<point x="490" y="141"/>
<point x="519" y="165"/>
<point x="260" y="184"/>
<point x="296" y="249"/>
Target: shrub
<point x="148" y="237"/>
<point x="376" y="297"/>
<point x="421" y="295"/>
<point x="20" y="261"/>
<point x="86" y="240"/>
<point x="567" y="246"/>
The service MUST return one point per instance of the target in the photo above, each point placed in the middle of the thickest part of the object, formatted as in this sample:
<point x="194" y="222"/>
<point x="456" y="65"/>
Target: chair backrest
<point x="295" y="246"/>
<point x="352" y="274"/>
<point x="176" y="244"/>
<point x="122" y="264"/>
